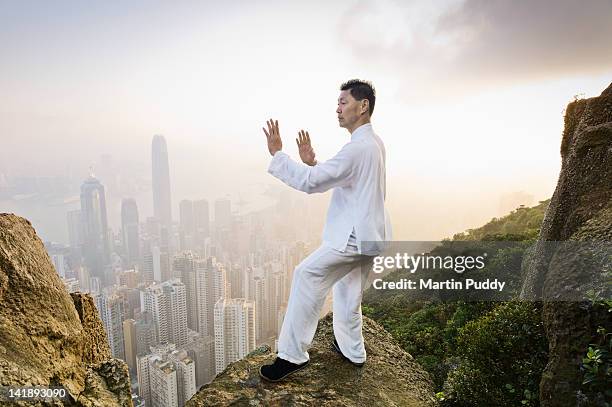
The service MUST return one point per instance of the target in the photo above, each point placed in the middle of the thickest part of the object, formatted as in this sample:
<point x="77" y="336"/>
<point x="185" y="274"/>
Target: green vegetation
<point x="477" y="352"/>
<point x="500" y="357"/>
<point x="597" y="362"/>
<point x="523" y="222"/>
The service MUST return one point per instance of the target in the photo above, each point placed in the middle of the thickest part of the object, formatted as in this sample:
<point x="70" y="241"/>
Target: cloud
<point x="454" y="47"/>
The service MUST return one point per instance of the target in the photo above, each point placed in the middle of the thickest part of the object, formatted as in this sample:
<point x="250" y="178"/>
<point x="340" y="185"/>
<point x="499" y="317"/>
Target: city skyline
<point x="470" y="97"/>
<point x="132" y="144"/>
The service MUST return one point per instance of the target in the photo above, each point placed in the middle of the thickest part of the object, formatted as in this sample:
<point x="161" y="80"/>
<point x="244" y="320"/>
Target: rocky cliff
<point x="390" y="377"/>
<point x="47" y="336"/>
<point x="580" y="210"/>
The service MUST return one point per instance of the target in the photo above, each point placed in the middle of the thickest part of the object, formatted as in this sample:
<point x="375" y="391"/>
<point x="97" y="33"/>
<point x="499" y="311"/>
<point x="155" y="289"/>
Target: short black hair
<point x="361" y="90"/>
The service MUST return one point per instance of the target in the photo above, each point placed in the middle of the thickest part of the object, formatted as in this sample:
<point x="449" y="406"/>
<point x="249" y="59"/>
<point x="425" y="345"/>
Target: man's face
<point x="349" y="110"/>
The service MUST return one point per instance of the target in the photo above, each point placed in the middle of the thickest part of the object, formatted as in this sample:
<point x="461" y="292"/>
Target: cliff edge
<point x="390" y="377"/>
<point x="48" y="337"/>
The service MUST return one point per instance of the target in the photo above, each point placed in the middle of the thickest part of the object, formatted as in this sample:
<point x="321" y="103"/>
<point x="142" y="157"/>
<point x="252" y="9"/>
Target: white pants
<point x="347" y="272"/>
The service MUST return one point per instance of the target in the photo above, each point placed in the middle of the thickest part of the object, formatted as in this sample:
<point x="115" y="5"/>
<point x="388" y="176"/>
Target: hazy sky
<point x="470" y="93"/>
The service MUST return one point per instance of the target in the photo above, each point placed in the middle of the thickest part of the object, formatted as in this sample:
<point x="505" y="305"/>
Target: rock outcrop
<point x="390" y="377"/>
<point x="47" y="337"/>
<point x="581" y="211"/>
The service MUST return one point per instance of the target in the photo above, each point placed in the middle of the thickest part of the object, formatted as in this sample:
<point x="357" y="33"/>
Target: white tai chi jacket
<point x="357" y="175"/>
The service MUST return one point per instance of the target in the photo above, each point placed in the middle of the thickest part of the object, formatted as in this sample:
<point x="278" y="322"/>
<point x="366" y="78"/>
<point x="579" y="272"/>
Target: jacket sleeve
<point x="335" y="172"/>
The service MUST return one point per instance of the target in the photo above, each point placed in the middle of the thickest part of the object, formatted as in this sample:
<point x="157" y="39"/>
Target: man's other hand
<point x="307" y="154"/>
<point x="274" y="140"/>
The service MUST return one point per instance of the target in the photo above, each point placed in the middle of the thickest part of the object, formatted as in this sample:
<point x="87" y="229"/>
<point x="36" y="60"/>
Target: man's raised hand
<point x="307" y="154"/>
<point x="273" y="135"/>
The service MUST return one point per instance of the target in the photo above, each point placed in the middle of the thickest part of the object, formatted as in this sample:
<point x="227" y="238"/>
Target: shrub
<point x="500" y="358"/>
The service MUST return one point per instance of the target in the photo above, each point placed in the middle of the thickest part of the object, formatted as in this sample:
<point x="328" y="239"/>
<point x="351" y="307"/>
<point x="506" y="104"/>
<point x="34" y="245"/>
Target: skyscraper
<point x="162" y="201"/>
<point x="129" y="340"/>
<point x="166" y="377"/>
<point x="75" y="228"/>
<point x="201" y="217"/>
<point x="236" y="281"/>
<point x="210" y="286"/>
<point x="262" y="305"/>
<point x="144" y="332"/>
<point x="156" y="265"/>
<point x="129" y="230"/>
<point x="96" y="239"/>
<point x="167" y="304"/>
<point x="157" y="381"/>
<point x="185" y="375"/>
<point x="187" y="224"/>
<point x="183" y="265"/>
<point x="112" y="312"/>
<point x="234" y="330"/>
<point x="186" y="216"/>
<point x="223" y="213"/>
<point x="201" y="350"/>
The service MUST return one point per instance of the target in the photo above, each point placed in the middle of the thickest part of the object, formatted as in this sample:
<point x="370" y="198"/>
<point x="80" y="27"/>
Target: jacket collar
<point x="361" y="131"/>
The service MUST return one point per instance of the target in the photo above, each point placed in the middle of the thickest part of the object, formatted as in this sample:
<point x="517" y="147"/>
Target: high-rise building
<point x="185" y="375"/>
<point x="234" y="330"/>
<point x="130" y="232"/>
<point x="152" y="228"/>
<point x="75" y="228"/>
<point x="201" y="349"/>
<point x="184" y="266"/>
<point x="129" y="278"/>
<point x="266" y="287"/>
<point x="94" y="286"/>
<point x="210" y="286"/>
<point x="167" y="304"/>
<point x="186" y="216"/>
<point x="276" y="294"/>
<point x="129" y="341"/>
<point x="236" y="282"/>
<point x="223" y="214"/>
<point x="96" y="239"/>
<point x="82" y="274"/>
<point x="166" y="377"/>
<point x="111" y="309"/>
<point x="143" y="371"/>
<point x="157" y="381"/>
<point x="131" y="300"/>
<point x="145" y="333"/>
<point x="187" y="225"/>
<point x="149" y="263"/>
<point x="201" y="217"/>
<point x="75" y="239"/>
<point x="162" y="201"/>
<point x="156" y="265"/>
<point x="262" y="306"/>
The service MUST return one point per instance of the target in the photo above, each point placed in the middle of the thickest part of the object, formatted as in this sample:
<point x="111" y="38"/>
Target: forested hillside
<point x="477" y="352"/>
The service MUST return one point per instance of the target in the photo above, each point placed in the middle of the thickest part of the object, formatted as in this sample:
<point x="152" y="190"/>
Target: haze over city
<point x="131" y="139"/>
<point x="470" y="98"/>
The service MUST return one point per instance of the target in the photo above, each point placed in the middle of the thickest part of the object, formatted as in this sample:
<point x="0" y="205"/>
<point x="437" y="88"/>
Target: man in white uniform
<point x="355" y="230"/>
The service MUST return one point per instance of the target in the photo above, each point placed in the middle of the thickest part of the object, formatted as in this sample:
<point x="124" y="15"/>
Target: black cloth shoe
<point x="337" y="349"/>
<point x="280" y="369"/>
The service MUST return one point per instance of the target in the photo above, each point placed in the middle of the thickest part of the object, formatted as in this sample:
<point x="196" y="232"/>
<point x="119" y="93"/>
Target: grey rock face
<point x="581" y="211"/>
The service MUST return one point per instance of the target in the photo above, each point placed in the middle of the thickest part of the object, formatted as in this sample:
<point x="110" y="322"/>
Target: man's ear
<point x="365" y="103"/>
